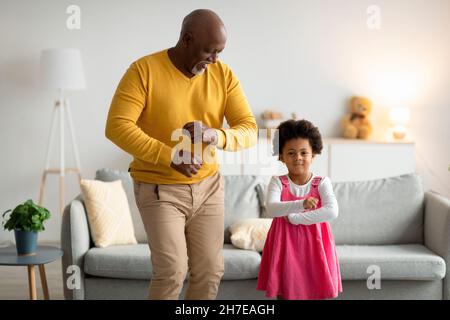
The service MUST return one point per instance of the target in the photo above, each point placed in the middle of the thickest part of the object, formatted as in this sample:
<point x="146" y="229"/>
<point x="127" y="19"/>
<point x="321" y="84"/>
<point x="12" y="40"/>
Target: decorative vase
<point x="26" y="242"/>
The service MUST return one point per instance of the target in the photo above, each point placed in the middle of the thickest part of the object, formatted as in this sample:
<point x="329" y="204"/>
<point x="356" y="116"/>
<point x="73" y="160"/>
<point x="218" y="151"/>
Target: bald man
<point x="168" y="113"/>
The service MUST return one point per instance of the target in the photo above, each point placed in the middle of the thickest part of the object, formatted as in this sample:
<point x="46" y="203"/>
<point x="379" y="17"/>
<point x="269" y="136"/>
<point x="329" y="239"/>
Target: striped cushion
<point x="108" y="213"/>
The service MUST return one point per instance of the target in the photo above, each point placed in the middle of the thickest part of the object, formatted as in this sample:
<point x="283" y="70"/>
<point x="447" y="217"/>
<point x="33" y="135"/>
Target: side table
<point x="44" y="254"/>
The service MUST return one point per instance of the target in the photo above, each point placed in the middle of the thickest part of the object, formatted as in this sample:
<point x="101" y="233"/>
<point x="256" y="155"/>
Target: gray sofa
<point x="388" y="228"/>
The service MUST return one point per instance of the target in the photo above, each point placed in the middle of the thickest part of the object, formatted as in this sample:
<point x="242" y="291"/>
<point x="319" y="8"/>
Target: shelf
<point x="332" y="140"/>
<point x="341" y="159"/>
<point x="340" y="140"/>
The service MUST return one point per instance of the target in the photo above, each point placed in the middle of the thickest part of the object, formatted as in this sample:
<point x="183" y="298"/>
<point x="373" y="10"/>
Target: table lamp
<point x="399" y="117"/>
<point x="61" y="70"/>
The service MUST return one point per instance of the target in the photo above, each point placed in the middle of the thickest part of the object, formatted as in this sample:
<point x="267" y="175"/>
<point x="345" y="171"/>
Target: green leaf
<point x="27" y="216"/>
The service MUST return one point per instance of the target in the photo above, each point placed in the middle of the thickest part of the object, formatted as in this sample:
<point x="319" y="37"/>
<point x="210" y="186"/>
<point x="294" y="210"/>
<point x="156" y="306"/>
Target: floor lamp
<point x="61" y="69"/>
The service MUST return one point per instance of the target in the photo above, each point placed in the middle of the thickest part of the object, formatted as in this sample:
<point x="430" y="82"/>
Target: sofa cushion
<point x="379" y="212"/>
<point x="127" y="183"/>
<point x="250" y="234"/>
<point x="395" y="262"/>
<point x="133" y="262"/>
<point x="240" y="264"/>
<point x="242" y="200"/>
<point x="108" y="212"/>
<point x="124" y="261"/>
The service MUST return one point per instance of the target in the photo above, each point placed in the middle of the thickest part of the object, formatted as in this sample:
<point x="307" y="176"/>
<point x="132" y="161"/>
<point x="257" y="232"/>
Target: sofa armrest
<point x="437" y="231"/>
<point x="75" y="242"/>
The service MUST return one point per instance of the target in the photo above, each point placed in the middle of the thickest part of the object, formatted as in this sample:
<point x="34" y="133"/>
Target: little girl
<point x="299" y="259"/>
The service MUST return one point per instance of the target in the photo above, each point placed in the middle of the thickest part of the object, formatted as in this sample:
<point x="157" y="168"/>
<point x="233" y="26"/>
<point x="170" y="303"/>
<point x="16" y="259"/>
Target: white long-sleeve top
<point x="295" y="211"/>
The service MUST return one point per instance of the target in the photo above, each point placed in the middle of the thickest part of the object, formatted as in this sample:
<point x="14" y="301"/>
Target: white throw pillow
<point x="108" y="213"/>
<point x="250" y="233"/>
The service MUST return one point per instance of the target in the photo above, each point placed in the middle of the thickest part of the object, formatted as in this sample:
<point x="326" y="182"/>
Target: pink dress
<point x="299" y="262"/>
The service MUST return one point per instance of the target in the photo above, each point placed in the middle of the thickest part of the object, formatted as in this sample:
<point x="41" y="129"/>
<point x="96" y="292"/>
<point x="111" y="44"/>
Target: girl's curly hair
<point x="293" y="129"/>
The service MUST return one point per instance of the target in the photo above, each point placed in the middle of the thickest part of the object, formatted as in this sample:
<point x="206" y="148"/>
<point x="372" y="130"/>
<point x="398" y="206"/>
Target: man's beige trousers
<point x="185" y="226"/>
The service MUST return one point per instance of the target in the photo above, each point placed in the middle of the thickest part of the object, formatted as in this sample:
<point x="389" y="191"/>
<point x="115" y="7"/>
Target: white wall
<point x="304" y="56"/>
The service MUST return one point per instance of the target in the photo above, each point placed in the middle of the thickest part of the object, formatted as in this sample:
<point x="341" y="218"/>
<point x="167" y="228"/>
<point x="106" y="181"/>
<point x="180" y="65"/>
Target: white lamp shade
<point x="62" y="69"/>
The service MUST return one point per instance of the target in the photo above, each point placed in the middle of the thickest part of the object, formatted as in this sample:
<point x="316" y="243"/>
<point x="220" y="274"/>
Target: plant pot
<point x="26" y="242"/>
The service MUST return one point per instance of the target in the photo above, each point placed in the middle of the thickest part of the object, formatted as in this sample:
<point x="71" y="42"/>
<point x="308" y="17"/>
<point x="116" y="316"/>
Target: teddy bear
<point x="356" y="124"/>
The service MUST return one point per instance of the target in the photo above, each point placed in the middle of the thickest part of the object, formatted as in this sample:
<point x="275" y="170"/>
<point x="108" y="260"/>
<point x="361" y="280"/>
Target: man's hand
<point x="200" y="132"/>
<point x="310" y="203"/>
<point x="186" y="163"/>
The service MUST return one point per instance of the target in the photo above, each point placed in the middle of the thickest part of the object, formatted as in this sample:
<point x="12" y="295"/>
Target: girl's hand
<point x="310" y="203"/>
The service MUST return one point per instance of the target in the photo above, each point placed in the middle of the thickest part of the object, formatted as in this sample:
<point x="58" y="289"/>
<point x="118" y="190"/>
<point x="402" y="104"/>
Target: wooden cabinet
<point x="341" y="160"/>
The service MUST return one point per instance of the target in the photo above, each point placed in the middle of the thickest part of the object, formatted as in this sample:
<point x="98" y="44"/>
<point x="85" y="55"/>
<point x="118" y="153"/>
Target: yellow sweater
<point x="154" y="99"/>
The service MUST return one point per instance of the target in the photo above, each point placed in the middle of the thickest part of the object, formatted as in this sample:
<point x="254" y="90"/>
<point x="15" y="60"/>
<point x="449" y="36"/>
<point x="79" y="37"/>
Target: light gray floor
<point x="14" y="281"/>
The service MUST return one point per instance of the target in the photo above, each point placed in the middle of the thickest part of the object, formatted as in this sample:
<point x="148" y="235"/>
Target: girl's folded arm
<point x="277" y="208"/>
<point x="327" y="212"/>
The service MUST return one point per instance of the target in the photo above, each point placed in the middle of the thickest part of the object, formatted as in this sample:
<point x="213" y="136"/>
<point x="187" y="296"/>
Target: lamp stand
<point x="61" y="111"/>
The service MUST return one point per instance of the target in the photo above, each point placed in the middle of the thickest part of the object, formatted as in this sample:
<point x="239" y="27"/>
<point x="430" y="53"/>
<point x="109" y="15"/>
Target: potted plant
<point x="27" y="219"/>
